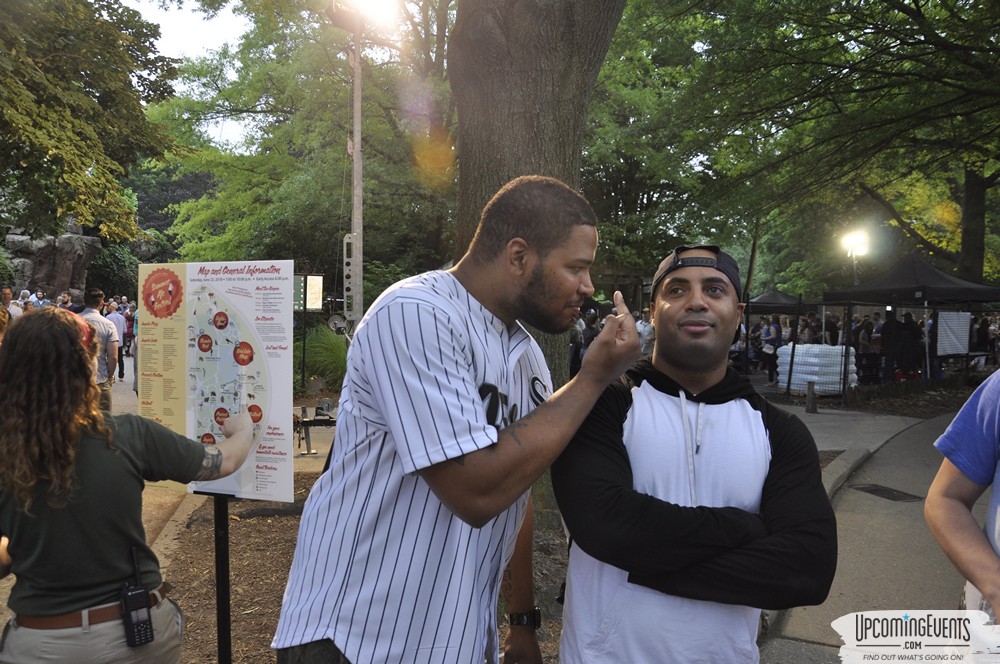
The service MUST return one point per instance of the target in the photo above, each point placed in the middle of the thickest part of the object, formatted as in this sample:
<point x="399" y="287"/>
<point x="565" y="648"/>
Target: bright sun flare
<point x="382" y="13"/>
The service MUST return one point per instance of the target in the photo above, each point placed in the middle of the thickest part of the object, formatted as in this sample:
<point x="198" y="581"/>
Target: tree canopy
<point x="835" y="102"/>
<point x="75" y="75"/>
<point x="772" y="132"/>
<point x="286" y="191"/>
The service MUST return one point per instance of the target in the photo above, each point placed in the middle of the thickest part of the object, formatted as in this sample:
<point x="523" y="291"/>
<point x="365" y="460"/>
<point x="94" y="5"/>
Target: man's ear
<point x="517" y="255"/>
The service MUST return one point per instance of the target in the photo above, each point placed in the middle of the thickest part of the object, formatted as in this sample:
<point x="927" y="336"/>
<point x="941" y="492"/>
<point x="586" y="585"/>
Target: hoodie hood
<point x="732" y="386"/>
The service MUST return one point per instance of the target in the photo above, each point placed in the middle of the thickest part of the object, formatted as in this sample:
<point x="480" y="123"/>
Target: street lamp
<point x="352" y="19"/>
<point x="856" y="244"/>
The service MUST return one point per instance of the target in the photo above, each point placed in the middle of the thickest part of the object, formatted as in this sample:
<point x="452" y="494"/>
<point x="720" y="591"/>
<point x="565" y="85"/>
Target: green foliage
<point x="115" y="271"/>
<point x="153" y="247"/>
<point x="75" y="75"/>
<point x="378" y="276"/>
<point x="160" y="186"/>
<point x="286" y="192"/>
<point x="326" y="356"/>
<point x="813" y="99"/>
<point x="6" y="269"/>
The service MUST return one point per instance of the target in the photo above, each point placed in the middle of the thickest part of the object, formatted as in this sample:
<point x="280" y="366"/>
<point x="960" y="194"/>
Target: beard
<point x="533" y="305"/>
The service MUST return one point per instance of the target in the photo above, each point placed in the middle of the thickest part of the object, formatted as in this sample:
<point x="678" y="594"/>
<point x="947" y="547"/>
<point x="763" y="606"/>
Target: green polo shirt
<point x="77" y="555"/>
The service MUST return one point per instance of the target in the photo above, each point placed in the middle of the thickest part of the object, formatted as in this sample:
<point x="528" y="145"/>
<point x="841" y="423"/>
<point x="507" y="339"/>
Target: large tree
<point x="808" y="96"/>
<point x="74" y="76"/>
<point x="522" y="74"/>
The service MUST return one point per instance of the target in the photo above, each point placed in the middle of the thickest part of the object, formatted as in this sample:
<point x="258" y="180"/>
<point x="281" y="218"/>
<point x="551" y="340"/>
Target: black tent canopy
<point x="774" y="301"/>
<point x="913" y="280"/>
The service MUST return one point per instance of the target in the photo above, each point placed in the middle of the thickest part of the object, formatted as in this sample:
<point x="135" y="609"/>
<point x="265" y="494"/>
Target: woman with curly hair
<point x="71" y="486"/>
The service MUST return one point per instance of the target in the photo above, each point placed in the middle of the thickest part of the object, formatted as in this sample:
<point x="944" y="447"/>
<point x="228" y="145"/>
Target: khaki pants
<point x="103" y="643"/>
<point x="106" y="393"/>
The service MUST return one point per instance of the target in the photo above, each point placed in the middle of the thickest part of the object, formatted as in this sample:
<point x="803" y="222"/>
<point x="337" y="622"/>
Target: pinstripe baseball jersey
<point x="381" y="566"/>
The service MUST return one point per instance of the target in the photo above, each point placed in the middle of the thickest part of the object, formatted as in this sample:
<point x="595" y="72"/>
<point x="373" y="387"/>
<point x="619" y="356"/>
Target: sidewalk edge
<point x="834" y="476"/>
<point x="170" y="536"/>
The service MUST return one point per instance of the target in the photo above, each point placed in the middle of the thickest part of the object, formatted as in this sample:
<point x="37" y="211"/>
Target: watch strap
<point x="531" y="618"/>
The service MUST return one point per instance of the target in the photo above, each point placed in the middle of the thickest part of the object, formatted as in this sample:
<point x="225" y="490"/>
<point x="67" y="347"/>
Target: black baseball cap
<point x="722" y="262"/>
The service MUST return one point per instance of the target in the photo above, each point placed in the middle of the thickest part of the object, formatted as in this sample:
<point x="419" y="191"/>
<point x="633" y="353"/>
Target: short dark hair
<point x="93" y="297"/>
<point x="540" y="210"/>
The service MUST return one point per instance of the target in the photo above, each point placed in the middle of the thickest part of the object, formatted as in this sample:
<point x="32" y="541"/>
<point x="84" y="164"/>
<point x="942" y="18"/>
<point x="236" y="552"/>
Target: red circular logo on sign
<point x="256" y="414"/>
<point x="220" y="320"/>
<point x="243" y="353"/>
<point x="221" y="415"/>
<point x="162" y="293"/>
<point x="207" y="439"/>
<point x="204" y="343"/>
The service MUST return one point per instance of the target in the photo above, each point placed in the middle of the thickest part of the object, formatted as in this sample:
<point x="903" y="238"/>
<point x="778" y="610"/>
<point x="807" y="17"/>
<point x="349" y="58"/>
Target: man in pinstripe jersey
<point x="446" y="419"/>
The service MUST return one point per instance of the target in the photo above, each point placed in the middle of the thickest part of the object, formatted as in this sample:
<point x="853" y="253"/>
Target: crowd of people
<point x="113" y="318"/>
<point x="900" y="345"/>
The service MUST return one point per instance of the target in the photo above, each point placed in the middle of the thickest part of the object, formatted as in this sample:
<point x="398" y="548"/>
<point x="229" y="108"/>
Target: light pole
<point x="856" y="244"/>
<point x="353" y="252"/>
<point x="352" y="19"/>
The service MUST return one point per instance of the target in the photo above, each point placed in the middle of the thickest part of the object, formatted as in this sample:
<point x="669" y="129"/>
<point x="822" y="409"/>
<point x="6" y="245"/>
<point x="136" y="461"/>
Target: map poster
<point x="215" y="338"/>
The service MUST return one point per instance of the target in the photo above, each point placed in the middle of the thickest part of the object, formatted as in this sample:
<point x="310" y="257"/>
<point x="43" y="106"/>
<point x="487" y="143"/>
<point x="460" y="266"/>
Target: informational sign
<point x="308" y="295"/>
<point x="215" y="338"/>
<point x="953" y="332"/>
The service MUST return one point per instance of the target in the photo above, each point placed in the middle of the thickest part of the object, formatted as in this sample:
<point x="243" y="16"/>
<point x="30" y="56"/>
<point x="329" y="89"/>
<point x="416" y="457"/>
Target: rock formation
<point x="54" y="264"/>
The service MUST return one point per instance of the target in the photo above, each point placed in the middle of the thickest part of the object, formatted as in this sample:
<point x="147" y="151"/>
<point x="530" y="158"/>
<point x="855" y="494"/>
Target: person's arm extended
<point x="795" y="563"/>
<point x="518" y="591"/>
<point x="611" y="521"/>
<point x="479" y="485"/>
<point x="948" y="511"/>
<point x="225" y="457"/>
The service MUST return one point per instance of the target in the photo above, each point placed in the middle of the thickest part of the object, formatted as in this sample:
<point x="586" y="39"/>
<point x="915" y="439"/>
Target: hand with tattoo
<point x="228" y="455"/>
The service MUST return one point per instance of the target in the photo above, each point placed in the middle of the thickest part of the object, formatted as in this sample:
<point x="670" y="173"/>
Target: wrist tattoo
<point x="211" y="464"/>
<point x="506" y="584"/>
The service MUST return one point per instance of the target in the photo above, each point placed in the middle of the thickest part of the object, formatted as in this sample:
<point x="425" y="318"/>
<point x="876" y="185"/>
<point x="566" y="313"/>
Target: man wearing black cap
<point x="690" y="500"/>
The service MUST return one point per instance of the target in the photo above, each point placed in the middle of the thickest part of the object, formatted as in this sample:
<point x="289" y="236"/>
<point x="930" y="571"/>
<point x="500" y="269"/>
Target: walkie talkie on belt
<point x="135" y="609"/>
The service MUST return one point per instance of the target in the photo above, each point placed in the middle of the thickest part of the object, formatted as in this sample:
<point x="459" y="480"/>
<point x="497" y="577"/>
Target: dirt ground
<point x="262" y="539"/>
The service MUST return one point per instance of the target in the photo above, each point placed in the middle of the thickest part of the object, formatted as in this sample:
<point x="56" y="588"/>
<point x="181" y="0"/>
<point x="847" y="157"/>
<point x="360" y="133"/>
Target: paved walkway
<point x="887" y="556"/>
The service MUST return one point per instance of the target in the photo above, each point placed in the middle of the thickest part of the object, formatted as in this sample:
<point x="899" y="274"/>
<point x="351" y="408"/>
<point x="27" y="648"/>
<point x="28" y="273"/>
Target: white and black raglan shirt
<point x="381" y="566"/>
<point x="687" y="515"/>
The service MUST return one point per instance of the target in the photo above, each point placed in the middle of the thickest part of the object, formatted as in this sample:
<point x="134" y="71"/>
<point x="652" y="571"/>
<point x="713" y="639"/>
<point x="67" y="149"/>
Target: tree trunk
<point x="970" y="259"/>
<point x="522" y="73"/>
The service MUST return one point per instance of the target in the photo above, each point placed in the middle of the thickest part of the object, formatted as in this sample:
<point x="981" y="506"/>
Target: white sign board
<point x="215" y="338"/>
<point x="953" y="332"/>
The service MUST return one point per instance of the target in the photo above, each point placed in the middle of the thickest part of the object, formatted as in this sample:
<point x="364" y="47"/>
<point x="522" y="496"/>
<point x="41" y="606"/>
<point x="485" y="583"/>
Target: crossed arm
<point x="784" y="557"/>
